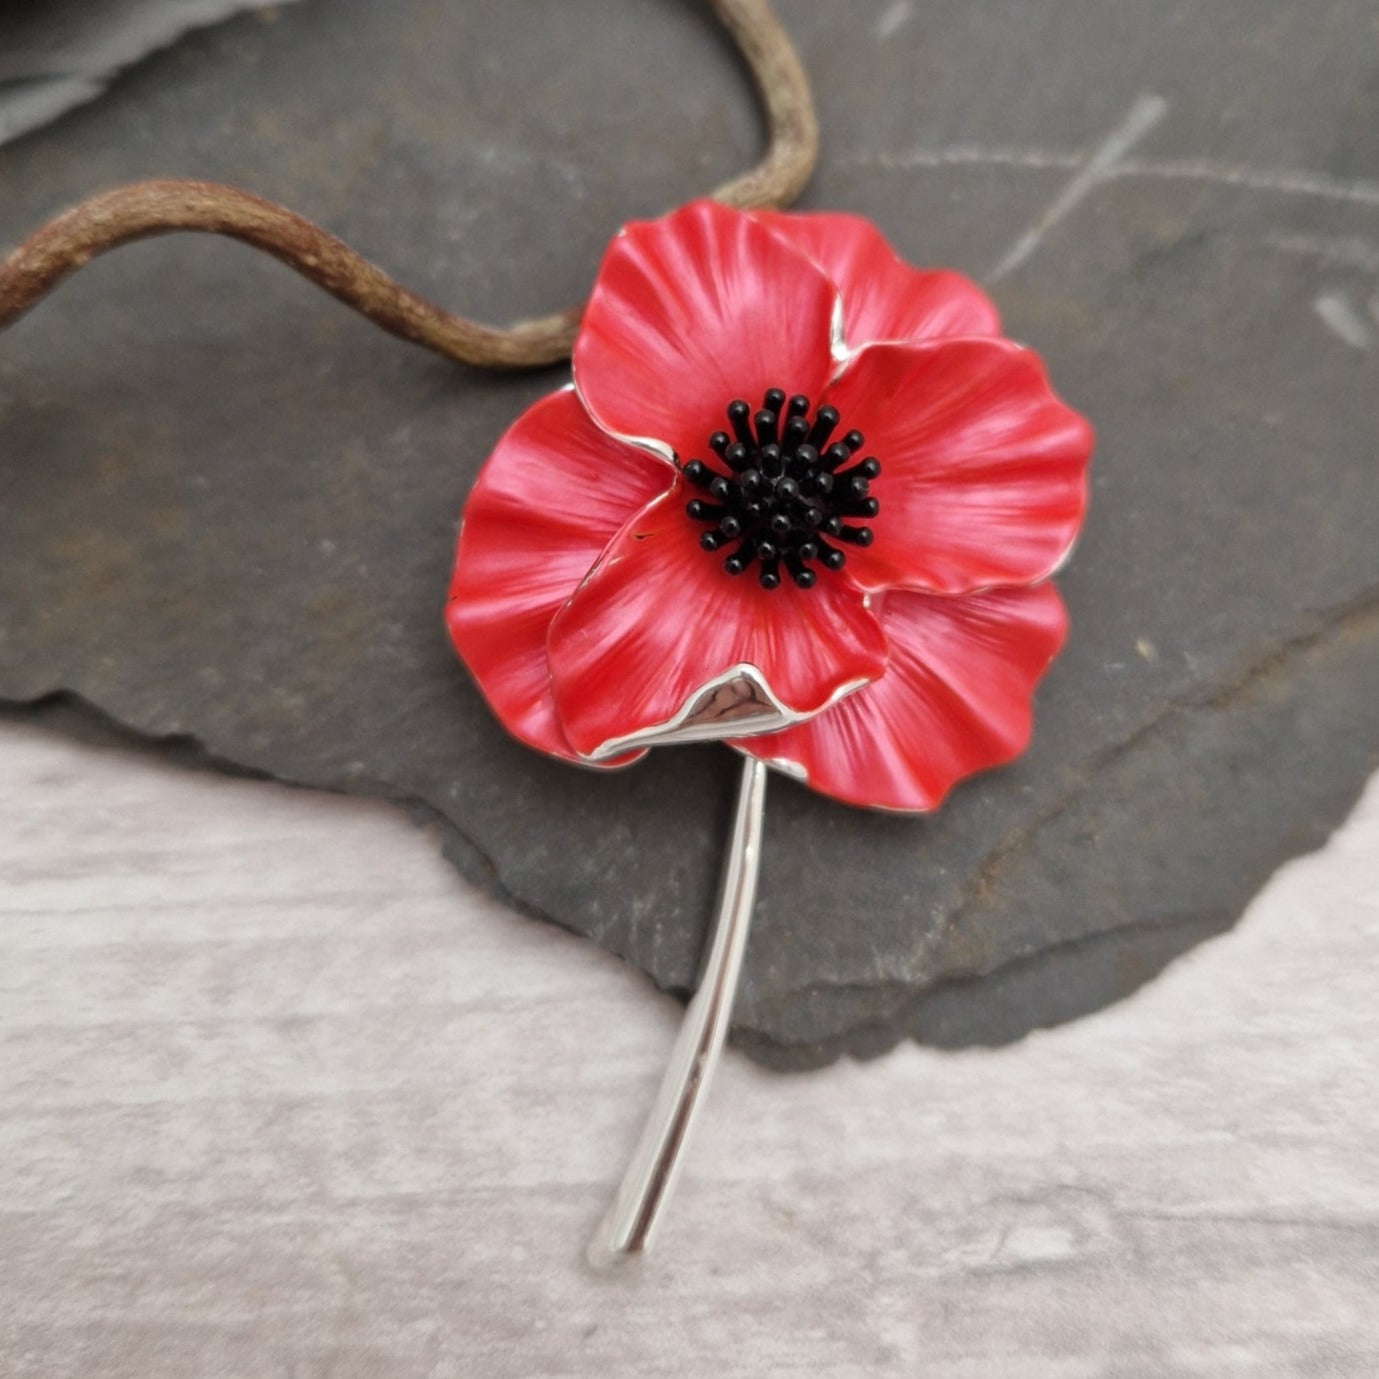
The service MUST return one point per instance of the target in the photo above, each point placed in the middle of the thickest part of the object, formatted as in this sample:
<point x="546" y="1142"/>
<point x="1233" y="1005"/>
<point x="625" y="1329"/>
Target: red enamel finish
<point x="883" y="297"/>
<point x="692" y="311"/>
<point x="983" y="469"/>
<point x="589" y="614"/>
<point x="546" y="503"/>
<point x="658" y="619"/>
<point x="955" y="699"/>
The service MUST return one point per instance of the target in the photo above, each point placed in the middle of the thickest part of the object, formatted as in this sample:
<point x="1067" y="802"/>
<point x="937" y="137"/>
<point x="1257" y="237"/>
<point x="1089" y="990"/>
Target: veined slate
<point x="57" y="54"/>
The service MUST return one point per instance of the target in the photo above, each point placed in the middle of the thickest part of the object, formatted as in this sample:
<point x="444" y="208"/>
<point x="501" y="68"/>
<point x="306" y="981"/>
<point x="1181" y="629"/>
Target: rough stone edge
<point x="930" y="1014"/>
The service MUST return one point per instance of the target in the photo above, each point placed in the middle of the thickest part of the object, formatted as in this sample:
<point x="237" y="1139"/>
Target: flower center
<point x="786" y="491"/>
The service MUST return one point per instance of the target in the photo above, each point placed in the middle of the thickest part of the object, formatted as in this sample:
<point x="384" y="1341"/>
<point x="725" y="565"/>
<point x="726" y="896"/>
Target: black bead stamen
<point x="787" y="483"/>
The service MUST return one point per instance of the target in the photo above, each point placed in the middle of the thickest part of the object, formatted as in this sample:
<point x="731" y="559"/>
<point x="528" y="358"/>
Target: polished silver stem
<point x="630" y="1224"/>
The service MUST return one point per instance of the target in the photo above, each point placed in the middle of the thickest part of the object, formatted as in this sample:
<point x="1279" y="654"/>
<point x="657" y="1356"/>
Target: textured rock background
<point x="227" y="507"/>
<point x="56" y="54"/>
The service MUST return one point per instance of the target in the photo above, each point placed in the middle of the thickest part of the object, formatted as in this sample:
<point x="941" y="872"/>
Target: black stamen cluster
<point x="785" y="491"/>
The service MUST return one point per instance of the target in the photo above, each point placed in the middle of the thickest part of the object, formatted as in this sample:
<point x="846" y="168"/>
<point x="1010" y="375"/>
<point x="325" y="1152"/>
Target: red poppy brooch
<point x="801" y="497"/>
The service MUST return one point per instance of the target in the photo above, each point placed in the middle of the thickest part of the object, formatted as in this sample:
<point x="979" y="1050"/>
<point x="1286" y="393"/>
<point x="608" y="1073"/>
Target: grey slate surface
<point x="227" y="506"/>
<point x="58" y="54"/>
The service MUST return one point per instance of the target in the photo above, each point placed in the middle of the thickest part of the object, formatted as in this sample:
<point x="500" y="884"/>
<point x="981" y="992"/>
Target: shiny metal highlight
<point x="631" y="1222"/>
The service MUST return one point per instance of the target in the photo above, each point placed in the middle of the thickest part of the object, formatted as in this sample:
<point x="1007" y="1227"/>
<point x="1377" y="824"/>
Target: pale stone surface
<point x="281" y="1095"/>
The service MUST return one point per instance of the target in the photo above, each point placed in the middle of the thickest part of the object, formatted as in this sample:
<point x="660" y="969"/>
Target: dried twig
<point x="784" y="87"/>
<point x="160" y="207"/>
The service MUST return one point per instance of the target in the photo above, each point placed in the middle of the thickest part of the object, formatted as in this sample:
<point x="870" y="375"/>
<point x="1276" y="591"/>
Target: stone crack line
<point x="1327" y="627"/>
<point x="1100" y="164"/>
<point x="1280" y="181"/>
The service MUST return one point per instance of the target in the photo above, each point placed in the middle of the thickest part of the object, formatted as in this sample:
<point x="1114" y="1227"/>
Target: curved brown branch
<point x="146" y="209"/>
<point x="158" y="208"/>
<point x="783" y="86"/>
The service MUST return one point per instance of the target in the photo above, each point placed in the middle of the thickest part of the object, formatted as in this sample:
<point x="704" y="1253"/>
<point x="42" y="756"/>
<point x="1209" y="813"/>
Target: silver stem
<point x="630" y="1224"/>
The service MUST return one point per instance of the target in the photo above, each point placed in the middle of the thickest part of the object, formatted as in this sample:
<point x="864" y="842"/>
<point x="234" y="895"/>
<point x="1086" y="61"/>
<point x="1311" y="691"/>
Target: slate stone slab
<point x="227" y="506"/>
<point x="57" y="54"/>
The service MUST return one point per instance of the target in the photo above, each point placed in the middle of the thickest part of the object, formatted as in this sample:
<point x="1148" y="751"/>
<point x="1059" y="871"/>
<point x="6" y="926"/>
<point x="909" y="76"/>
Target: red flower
<point x="801" y="496"/>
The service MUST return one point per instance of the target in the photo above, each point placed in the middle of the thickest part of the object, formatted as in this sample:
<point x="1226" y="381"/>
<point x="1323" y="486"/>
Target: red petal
<point x="552" y="495"/>
<point x="983" y="469"/>
<point x="659" y="626"/>
<point x="692" y="311"/>
<point x="883" y="297"/>
<point x="955" y="699"/>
